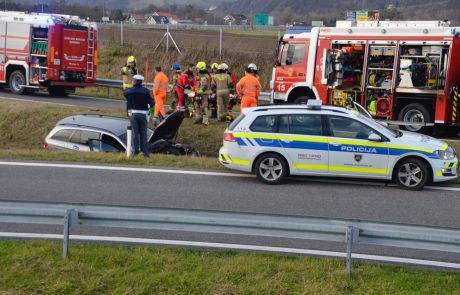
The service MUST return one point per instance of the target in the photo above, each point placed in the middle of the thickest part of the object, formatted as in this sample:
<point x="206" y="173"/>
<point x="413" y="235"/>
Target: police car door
<point x="351" y="153"/>
<point x="301" y="136"/>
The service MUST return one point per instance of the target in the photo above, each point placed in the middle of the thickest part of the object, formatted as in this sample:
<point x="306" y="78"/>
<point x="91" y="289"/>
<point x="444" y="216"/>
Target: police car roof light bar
<point x="314" y="104"/>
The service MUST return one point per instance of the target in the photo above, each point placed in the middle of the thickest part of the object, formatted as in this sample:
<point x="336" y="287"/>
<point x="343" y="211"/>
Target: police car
<point x="276" y="141"/>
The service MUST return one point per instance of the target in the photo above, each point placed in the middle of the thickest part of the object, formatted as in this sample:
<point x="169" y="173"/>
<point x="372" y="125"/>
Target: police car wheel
<point x="411" y="174"/>
<point x="271" y="168"/>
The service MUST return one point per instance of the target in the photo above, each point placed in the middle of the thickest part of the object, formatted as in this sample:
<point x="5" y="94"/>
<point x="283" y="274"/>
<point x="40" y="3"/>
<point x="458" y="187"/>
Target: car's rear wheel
<point x="271" y="168"/>
<point x="411" y="174"/>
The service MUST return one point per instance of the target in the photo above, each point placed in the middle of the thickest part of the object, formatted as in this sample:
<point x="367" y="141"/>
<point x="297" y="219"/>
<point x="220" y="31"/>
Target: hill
<point x="330" y="10"/>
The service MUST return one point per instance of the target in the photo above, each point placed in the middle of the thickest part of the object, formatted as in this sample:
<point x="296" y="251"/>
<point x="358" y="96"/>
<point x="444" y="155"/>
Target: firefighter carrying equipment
<point x="223" y="84"/>
<point x="201" y="66"/>
<point x="201" y="102"/>
<point x="128" y="73"/>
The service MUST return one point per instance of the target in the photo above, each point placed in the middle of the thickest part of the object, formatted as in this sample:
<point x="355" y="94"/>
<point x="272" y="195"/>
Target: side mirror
<point x="374" y="137"/>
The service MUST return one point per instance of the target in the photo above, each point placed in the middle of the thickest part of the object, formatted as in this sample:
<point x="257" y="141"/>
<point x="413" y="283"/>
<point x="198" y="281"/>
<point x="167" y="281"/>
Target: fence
<point x="349" y="232"/>
<point x="118" y="84"/>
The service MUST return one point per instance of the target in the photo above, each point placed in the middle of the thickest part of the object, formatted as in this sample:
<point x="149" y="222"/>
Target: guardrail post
<point x="351" y="238"/>
<point x="109" y="91"/>
<point x="70" y="218"/>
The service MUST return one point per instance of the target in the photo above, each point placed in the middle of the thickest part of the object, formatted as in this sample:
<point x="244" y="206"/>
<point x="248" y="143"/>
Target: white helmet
<point x="253" y="67"/>
<point x="225" y="66"/>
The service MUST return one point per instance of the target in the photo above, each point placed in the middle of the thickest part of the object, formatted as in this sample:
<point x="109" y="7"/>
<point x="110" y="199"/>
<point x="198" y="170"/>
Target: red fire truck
<point x="46" y="51"/>
<point x="406" y="73"/>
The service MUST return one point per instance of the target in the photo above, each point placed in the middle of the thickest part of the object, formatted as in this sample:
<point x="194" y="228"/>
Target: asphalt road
<point x="71" y="100"/>
<point x="298" y="196"/>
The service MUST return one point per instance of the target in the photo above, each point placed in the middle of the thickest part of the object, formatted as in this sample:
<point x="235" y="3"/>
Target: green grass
<point x="24" y="126"/>
<point x="38" y="268"/>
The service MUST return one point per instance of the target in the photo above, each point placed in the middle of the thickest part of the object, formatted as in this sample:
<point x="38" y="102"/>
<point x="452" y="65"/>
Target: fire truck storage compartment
<point x="422" y="67"/>
<point x="379" y="79"/>
<point x="39" y="55"/>
<point x="345" y="72"/>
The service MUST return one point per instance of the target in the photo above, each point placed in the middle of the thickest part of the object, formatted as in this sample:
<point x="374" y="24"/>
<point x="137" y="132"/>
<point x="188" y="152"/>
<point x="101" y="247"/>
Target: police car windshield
<point x="381" y="128"/>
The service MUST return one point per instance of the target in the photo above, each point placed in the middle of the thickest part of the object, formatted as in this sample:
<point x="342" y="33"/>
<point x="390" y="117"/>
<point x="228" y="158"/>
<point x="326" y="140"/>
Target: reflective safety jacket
<point x="249" y="86"/>
<point x="160" y="84"/>
<point x="204" y="83"/>
<point x="223" y="83"/>
<point x="128" y="74"/>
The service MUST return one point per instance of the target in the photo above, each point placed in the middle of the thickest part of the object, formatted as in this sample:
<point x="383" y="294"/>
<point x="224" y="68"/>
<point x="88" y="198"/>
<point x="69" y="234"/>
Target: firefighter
<point x="128" y="71"/>
<point x="249" y="87"/>
<point x="233" y="99"/>
<point x="201" y="101"/>
<point x="223" y="84"/>
<point x="160" y="88"/>
<point x="176" y="72"/>
<point x="212" y="98"/>
<point x="186" y="81"/>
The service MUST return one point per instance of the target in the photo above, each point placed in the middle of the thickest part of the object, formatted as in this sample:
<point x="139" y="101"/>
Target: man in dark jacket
<point x="139" y="102"/>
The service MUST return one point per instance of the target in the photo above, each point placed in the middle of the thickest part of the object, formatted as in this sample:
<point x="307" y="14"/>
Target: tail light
<point x="45" y="145"/>
<point x="229" y="137"/>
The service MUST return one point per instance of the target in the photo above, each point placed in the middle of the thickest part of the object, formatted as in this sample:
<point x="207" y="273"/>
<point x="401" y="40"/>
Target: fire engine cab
<point x="406" y="73"/>
<point x="46" y="51"/>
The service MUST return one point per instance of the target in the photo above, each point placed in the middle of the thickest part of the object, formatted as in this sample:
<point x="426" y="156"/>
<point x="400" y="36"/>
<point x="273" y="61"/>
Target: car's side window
<point x="82" y="136"/>
<point x="264" y="124"/>
<point x="283" y="124"/>
<point x="305" y="124"/>
<point x="75" y="138"/>
<point x="112" y="141"/>
<point x="348" y="128"/>
<point x="63" y="135"/>
<point x="86" y="135"/>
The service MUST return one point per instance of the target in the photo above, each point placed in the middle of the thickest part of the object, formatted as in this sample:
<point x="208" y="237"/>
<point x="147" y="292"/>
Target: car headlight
<point x="447" y="154"/>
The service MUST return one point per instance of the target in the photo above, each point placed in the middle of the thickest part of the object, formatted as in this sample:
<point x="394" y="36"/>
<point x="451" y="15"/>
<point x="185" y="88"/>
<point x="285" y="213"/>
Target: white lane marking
<point x="130" y="169"/>
<point x="233" y="247"/>
<point x="39" y="101"/>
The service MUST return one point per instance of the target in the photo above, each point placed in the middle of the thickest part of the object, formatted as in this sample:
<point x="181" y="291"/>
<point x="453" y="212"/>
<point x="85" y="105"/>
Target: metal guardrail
<point x="350" y="232"/>
<point x="109" y="84"/>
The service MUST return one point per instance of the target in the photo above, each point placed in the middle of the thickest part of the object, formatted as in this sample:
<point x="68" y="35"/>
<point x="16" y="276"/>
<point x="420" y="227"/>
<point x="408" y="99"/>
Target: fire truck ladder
<point x="90" y="55"/>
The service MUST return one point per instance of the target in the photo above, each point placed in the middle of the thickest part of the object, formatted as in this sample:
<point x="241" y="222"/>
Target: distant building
<point x="135" y="18"/>
<point x="157" y="20"/>
<point x="236" y="19"/>
<point x="172" y="18"/>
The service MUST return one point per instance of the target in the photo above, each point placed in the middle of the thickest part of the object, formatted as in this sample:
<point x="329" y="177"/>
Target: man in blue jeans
<point x="139" y="102"/>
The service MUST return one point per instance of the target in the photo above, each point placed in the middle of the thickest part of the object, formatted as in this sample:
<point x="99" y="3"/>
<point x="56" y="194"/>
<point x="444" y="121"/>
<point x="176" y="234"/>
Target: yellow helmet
<point x="201" y="66"/>
<point x="131" y="59"/>
<point x="214" y="66"/>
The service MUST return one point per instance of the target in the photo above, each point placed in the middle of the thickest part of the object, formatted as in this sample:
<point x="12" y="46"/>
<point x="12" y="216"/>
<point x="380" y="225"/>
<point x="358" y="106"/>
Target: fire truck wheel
<point x="16" y="81"/>
<point x="302" y="100"/>
<point x="57" y="91"/>
<point x="416" y="113"/>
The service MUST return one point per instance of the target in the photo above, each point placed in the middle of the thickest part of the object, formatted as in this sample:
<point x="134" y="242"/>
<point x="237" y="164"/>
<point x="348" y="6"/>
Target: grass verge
<point x="36" y="267"/>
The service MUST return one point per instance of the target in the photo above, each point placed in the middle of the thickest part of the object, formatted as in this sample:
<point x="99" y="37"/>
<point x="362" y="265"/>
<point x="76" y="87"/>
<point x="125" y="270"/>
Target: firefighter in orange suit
<point x="160" y="89"/>
<point x="249" y="88"/>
